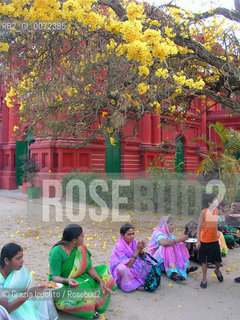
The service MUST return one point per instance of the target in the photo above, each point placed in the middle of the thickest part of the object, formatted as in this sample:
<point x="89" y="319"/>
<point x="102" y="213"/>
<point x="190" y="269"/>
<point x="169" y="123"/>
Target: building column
<point x="156" y="130"/>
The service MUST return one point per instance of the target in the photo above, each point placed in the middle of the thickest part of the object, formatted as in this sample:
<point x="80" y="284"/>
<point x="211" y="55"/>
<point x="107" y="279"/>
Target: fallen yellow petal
<point x="234" y="266"/>
<point x="33" y="272"/>
<point x="213" y="276"/>
<point x="170" y="285"/>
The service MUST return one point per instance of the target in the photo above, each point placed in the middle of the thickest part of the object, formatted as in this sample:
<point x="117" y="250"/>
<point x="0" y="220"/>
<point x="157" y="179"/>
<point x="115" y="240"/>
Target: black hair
<point x="71" y="232"/>
<point x="9" y="251"/>
<point x="125" y="228"/>
<point x="222" y="204"/>
<point x="207" y="198"/>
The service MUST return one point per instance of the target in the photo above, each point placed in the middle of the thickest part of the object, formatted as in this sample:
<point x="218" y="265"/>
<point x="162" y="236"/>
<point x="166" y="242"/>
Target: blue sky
<point x="198" y="5"/>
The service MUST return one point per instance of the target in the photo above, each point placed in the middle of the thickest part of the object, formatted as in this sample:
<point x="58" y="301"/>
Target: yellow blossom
<point x="143" y="88"/>
<point x="134" y="11"/>
<point x="112" y="141"/>
<point x="143" y="70"/>
<point x="4" y="46"/>
<point x="15" y="128"/>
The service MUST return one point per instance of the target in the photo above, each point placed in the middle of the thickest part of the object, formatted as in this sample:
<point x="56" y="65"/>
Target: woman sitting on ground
<point x="170" y="251"/>
<point x="70" y="264"/>
<point x="223" y="226"/>
<point x="13" y="275"/>
<point x="126" y="266"/>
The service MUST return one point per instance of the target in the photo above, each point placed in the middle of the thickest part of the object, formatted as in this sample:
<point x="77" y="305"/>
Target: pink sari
<point x="172" y="258"/>
<point x="128" y="279"/>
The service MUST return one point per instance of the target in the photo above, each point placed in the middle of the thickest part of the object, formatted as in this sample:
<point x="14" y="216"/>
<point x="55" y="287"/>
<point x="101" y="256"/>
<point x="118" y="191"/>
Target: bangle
<point x="64" y="281"/>
<point x="22" y="299"/>
<point x="174" y="241"/>
<point x="134" y="257"/>
<point x="98" y="278"/>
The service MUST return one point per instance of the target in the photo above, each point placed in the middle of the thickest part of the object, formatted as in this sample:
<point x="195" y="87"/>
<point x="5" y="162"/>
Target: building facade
<point x="158" y="135"/>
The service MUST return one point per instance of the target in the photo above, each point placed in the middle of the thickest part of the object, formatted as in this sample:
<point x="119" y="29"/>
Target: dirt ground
<point x="26" y="222"/>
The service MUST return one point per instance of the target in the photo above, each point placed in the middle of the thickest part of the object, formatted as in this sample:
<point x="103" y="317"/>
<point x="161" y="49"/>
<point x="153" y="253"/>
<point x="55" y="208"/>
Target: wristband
<point x="64" y="281"/>
<point x="22" y="299"/>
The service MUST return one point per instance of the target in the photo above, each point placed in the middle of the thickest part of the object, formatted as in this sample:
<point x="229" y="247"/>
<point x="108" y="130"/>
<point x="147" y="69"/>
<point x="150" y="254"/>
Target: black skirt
<point x="209" y="252"/>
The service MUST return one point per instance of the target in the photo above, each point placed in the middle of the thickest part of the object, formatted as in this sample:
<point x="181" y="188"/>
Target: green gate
<point x="21" y="149"/>
<point x="179" y="154"/>
<point x="113" y="159"/>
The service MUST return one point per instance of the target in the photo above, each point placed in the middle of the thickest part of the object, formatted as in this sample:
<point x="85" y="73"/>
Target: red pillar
<point x="156" y="130"/>
<point x="13" y="121"/>
<point x="146" y="129"/>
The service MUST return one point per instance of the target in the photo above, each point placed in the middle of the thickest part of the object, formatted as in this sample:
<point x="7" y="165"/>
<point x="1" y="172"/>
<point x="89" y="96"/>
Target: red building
<point x="129" y="157"/>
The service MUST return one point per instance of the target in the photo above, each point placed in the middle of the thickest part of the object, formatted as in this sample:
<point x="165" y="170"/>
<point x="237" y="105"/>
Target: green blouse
<point x="57" y="257"/>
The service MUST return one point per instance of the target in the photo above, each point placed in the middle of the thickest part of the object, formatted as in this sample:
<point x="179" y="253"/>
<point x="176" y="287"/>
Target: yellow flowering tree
<point x="84" y="67"/>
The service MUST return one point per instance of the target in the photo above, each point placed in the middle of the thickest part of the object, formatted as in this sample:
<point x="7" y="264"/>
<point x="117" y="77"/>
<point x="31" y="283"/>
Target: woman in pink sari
<point x="170" y="251"/>
<point x="126" y="266"/>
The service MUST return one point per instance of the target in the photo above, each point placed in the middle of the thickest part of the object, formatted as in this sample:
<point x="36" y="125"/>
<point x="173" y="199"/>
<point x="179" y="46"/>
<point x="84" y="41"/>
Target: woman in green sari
<point x="86" y="290"/>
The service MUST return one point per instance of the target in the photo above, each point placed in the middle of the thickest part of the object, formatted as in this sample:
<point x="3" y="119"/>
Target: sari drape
<point x="31" y="309"/>
<point x="222" y="244"/>
<point x="173" y="259"/>
<point x="128" y="279"/>
<point x="225" y="229"/>
<point x="4" y="314"/>
<point x="84" y="300"/>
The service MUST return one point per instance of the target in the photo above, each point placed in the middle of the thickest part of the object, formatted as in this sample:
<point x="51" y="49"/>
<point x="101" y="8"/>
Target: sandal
<point x="96" y="315"/>
<point x="203" y="285"/>
<point x="177" y="277"/>
<point x="220" y="278"/>
<point x="192" y="269"/>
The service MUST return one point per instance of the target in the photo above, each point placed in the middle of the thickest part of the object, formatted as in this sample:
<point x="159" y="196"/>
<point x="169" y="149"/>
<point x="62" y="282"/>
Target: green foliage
<point x="30" y="169"/>
<point x="223" y="163"/>
<point x="166" y="194"/>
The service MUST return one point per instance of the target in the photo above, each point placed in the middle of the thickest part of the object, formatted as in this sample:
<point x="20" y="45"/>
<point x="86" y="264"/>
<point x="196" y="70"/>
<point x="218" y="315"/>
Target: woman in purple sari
<point x="126" y="266"/>
<point x="170" y="251"/>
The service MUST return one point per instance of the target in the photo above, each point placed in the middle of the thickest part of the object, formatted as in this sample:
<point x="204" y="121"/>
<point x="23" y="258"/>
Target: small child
<point x="207" y="237"/>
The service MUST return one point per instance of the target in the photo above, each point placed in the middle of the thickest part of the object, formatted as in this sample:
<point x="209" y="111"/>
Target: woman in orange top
<point x="207" y="235"/>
